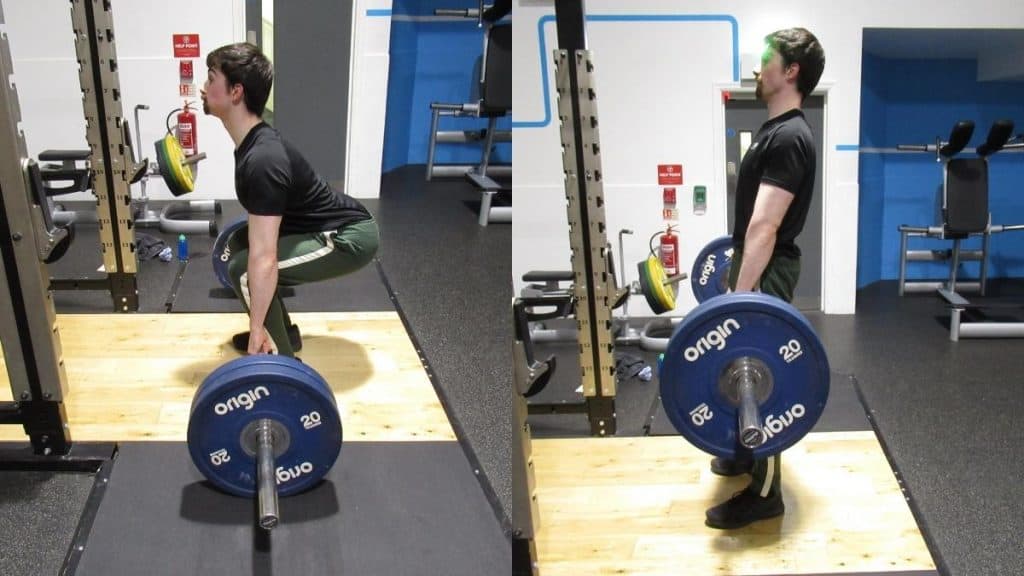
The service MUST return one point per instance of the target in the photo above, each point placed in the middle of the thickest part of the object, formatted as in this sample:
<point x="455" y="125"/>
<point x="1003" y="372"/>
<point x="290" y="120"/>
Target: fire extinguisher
<point x="668" y="250"/>
<point x="187" y="135"/>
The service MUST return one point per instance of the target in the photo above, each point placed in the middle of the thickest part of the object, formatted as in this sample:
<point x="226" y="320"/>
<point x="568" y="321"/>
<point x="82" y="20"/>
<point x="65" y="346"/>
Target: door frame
<point x="746" y="91"/>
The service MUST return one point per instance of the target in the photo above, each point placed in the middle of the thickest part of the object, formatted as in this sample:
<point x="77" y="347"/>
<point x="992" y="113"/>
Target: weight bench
<point x="545" y="290"/>
<point x="537" y="373"/>
<point x="966" y="214"/>
<point x="532" y="374"/>
<point x="53" y="239"/>
<point x="496" y="88"/>
<point x="962" y="218"/>
<point x="495" y="102"/>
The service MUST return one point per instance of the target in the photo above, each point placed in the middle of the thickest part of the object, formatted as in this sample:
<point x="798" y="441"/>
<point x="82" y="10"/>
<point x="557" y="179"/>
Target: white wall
<point x="43" y="52"/>
<point x="371" y="44"/>
<point x="659" y="101"/>
<point x="46" y="73"/>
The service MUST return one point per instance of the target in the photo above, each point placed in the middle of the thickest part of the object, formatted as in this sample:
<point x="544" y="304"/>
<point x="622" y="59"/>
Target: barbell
<point x="709" y="276"/>
<point x="264" y="426"/>
<point x="744" y="372"/>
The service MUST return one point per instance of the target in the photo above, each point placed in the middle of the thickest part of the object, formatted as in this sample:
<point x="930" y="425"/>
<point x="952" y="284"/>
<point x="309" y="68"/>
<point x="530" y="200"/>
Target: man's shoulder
<point x="792" y="132"/>
<point x="264" y="152"/>
<point x="267" y="142"/>
<point x="795" y="127"/>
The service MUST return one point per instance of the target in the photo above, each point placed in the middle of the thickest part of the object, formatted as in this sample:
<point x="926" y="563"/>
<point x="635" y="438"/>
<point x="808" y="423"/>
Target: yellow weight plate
<point x="663" y="291"/>
<point x="174" y="171"/>
<point x="660" y="297"/>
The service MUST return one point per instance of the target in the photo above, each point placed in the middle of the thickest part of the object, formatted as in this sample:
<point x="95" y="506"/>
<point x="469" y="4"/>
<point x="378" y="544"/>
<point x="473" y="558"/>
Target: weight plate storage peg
<point x="710" y="274"/>
<point x="744" y="344"/>
<point x="221" y="252"/>
<point x="284" y="396"/>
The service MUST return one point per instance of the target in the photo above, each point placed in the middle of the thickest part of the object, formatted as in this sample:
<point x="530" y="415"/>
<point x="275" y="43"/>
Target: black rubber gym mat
<point x="947" y="415"/>
<point x="385" y="508"/>
<point x="39" y="512"/>
<point x="892" y="573"/>
<point x="451" y="279"/>
<point x="843" y="411"/>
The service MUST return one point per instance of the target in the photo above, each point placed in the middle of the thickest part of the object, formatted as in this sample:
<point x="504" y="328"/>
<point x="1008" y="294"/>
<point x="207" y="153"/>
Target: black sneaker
<point x="241" y="340"/>
<point x="744" y="507"/>
<point x="730" y="467"/>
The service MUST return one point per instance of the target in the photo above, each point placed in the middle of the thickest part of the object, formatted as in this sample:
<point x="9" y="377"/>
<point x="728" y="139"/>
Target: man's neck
<point x="239" y="125"/>
<point x="783" y="103"/>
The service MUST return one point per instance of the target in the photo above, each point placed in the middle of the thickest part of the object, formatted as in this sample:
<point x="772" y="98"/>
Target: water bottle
<point x="182" y="248"/>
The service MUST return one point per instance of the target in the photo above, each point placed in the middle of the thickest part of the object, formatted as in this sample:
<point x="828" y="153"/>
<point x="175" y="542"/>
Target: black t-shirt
<point x="273" y="179"/>
<point x="782" y="154"/>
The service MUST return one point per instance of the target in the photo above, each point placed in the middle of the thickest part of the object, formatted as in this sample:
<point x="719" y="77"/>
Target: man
<point x="299" y="229"/>
<point x="773" y="195"/>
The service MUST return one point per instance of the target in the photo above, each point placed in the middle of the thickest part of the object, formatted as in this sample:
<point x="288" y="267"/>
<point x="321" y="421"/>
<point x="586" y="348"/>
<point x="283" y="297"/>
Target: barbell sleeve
<point x="751" y="433"/>
<point x="266" y="479"/>
<point x="461" y="12"/>
<point x="189" y="160"/>
<point x="674" y="279"/>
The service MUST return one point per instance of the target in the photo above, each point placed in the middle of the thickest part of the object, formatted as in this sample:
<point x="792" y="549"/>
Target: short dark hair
<point x="244" y="64"/>
<point x="799" y="46"/>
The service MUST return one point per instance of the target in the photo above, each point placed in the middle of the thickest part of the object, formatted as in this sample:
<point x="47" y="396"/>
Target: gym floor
<point x="913" y="468"/>
<point x="422" y="483"/>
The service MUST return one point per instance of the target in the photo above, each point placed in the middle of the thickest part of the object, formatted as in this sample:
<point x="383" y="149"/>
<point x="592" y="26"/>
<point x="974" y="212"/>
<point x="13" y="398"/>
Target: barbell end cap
<point x="268" y="522"/>
<point x="752" y="437"/>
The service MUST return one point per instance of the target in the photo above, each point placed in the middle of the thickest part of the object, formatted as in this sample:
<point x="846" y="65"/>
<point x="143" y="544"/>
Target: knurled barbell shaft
<point x="751" y="433"/>
<point x="266" y="479"/>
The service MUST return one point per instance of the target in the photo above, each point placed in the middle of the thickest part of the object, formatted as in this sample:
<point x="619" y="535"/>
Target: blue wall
<point x="871" y="177"/>
<point x="433" y="62"/>
<point x="912" y="102"/>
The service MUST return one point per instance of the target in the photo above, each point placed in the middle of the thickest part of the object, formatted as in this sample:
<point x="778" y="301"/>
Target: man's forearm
<point x="262" y="285"/>
<point x="757" y="252"/>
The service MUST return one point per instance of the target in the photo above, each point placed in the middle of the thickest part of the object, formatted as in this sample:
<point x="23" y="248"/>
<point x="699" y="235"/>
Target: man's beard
<point x="759" y="92"/>
<point x="206" y="108"/>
